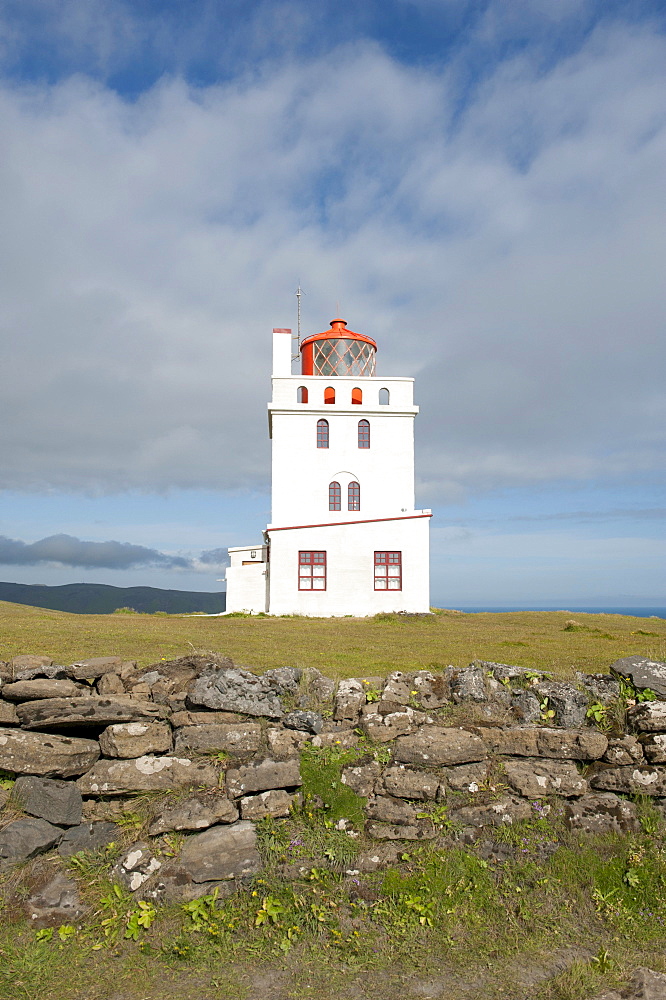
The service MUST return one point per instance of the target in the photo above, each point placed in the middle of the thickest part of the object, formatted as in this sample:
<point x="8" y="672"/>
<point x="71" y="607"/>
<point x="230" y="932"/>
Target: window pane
<point x="380" y="584"/>
<point x="394" y="584"/>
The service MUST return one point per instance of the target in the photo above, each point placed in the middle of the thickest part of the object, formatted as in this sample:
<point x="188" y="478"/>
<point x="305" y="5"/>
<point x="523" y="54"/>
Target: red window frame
<point x="388" y="571"/>
<point x="364" y="433"/>
<point x="357" y="397"/>
<point x="353" y="496"/>
<point x="312" y="571"/>
<point x="322" y="433"/>
<point x="302" y="394"/>
<point x="329" y="395"/>
<point x="334" y="496"/>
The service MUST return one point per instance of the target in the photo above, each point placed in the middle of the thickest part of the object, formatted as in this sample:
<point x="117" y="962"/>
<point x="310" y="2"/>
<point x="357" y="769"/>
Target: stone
<point x="90" y="710"/>
<point x="398" y="688"/>
<point x="384" y="728"/>
<point x="437" y="745"/>
<point x="648" y="717"/>
<point x="135" y="867"/>
<point x="655" y="749"/>
<point x="275" y="802"/>
<point x="349" y="699"/>
<point x="507" y="672"/>
<point x="526" y="706"/>
<point x="26" y="661"/>
<point x="56" y="903"/>
<point x="107" y="810"/>
<point x="196" y="813"/>
<point x="262" y="776"/>
<point x="98" y="665"/>
<point x="432" y="690"/>
<point x="109" y="684"/>
<point x="535" y="778"/>
<point x="601" y="812"/>
<point x="45" y="755"/>
<point x="537" y="741"/>
<point x="180" y="719"/>
<point x="648" y="985"/>
<point x="625" y="750"/>
<point x="602" y="687"/>
<point x="31" y="690"/>
<point x="387" y="809"/>
<point x="56" y="801"/>
<point x="570" y="704"/>
<point x="285" y="742"/>
<point x="173" y="884"/>
<point x="343" y="739"/>
<point x="316" y="690"/>
<point x="307" y="722"/>
<point x="469" y="684"/>
<point x="361" y="778"/>
<point x="466" y="777"/>
<point x="422" y="830"/>
<point x="26" y="838"/>
<point x="52" y="672"/>
<point x="405" y="783"/>
<point x="146" y="774"/>
<point x="221" y="853"/>
<point x="645" y="779"/>
<point x="8" y="716"/>
<point x="503" y="812"/>
<point x="236" y="690"/>
<point x="88" y="837"/>
<point x="135" y="739"/>
<point x="283" y="679"/>
<point x="644" y="673"/>
<point x="234" y="739"/>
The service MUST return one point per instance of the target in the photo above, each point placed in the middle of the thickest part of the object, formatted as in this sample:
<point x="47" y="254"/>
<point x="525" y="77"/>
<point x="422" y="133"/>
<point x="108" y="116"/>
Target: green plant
<point x="602" y="961"/>
<point x="597" y="712"/>
<point x="270" y="910"/>
<point x="547" y="713"/>
<point x="7" y="780"/>
<point x="630" y="693"/>
<point x="438" y="816"/>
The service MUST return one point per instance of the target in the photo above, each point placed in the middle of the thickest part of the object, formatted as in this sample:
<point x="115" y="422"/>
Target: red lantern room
<point x="338" y="351"/>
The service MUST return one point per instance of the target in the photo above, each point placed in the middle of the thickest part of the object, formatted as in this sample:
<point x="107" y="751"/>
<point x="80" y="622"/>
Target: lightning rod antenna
<point x="299" y="292"/>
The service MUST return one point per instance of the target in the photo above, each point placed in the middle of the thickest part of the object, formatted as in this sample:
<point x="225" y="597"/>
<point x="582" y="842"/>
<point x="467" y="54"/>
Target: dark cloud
<point x="215" y="557"/>
<point x="69" y="551"/>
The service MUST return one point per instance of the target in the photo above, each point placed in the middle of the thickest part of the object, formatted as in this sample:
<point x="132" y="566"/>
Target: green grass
<point x="341" y="647"/>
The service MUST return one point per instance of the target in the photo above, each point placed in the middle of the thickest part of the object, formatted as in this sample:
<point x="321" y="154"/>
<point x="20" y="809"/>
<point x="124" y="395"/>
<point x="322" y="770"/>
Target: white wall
<point x="247" y="579"/>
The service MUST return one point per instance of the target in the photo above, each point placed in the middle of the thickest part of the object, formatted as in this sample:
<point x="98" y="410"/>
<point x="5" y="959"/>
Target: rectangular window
<point x="312" y="571"/>
<point x="388" y="570"/>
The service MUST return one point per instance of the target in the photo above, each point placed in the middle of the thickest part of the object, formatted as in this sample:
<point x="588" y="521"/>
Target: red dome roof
<point x="338" y="329"/>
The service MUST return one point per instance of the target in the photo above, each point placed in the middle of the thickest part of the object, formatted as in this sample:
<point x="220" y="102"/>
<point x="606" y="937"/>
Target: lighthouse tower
<point x="345" y="537"/>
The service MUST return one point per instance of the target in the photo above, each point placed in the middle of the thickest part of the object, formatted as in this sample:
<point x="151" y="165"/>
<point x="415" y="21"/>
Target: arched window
<point x="302" y="394"/>
<point x="329" y="394"/>
<point x="354" y="496"/>
<point x="383" y="397"/>
<point x="364" y="433"/>
<point x="357" y="395"/>
<point x="322" y="433"/>
<point x="334" y="496"/>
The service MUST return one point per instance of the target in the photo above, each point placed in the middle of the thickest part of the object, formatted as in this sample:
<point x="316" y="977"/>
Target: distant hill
<point x="101" y="599"/>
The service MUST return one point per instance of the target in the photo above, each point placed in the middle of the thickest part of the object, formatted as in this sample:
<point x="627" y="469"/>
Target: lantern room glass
<point x="339" y="356"/>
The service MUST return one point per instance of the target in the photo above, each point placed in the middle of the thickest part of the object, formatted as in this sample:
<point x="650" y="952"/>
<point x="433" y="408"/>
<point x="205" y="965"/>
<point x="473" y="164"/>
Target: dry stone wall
<point x="219" y="747"/>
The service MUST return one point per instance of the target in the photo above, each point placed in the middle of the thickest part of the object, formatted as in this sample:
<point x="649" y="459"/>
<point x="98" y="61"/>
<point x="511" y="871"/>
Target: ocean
<point x="634" y="612"/>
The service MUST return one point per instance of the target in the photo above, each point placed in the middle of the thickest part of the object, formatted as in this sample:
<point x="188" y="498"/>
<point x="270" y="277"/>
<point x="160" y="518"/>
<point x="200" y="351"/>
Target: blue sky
<point x="479" y="185"/>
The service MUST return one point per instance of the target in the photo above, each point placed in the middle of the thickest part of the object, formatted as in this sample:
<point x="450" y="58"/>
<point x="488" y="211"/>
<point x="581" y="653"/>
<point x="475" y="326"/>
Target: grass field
<point x="341" y="647"/>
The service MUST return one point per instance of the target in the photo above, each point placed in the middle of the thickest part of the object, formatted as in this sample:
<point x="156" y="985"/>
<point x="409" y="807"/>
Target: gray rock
<point x="135" y="739"/>
<point x="526" y="706"/>
<point x="98" y="665"/>
<point x="45" y="755"/>
<point x="537" y="741"/>
<point x="432" y="690"/>
<point x="56" y="903"/>
<point x="507" y="672"/>
<point x="405" y="783"/>
<point x="386" y="809"/>
<point x="503" y="812"/>
<point x="88" y="837"/>
<point x="466" y="777"/>
<point x="648" y="985"/>
<point x="422" y="830"/>
<point x="26" y="838"/>
<point x="648" y="717"/>
<point x="146" y="774"/>
<point x="341" y="739"/>
<point x="398" y="688"/>
<point x="469" y="685"/>
<point x="316" y="690"/>
<point x="221" y="853"/>
<point x="436" y="745"/>
<point x="570" y="704"/>
<point x="284" y="680"/>
<point x="236" y="690"/>
<point x="655" y="749"/>
<point x="135" y="866"/>
<point x="285" y="742"/>
<point x="90" y="710"/>
<point x="362" y="778"/>
<point x="51" y="672"/>
<point x="644" y="673"/>
<point x="234" y="739"/>
<point x="384" y="728"/>
<point x="275" y="802"/>
<point x="601" y="812"/>
<point x="535" y="778"/>
<point x="349" y="699"/>
<point x="8" y="716"/>
<point x="637" y="779"/>
<point x="31" y="690"/>
<point x="307" y="722"/>
<point x="601" y="687"/>
<point x="262" y="776"/>
<point x="26" y="661"/>
<point x="56" y="801"/>
<point x="110" y="684"/>
<point x="625" y="750"/>
<point x="196" y="813"/>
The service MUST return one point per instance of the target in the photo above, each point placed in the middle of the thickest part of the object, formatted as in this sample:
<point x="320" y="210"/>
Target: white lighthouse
<point x="345" y="537"/>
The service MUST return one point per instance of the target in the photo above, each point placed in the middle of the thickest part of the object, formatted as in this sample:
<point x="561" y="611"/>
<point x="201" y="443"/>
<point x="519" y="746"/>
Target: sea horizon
<point x="637" y="612"/>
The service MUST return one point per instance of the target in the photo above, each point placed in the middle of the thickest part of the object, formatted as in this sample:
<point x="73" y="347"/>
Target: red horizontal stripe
<point x="331" y="524"/>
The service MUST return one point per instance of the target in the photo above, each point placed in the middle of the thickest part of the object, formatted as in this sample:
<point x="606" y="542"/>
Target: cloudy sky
<point x="479" y="184"/>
